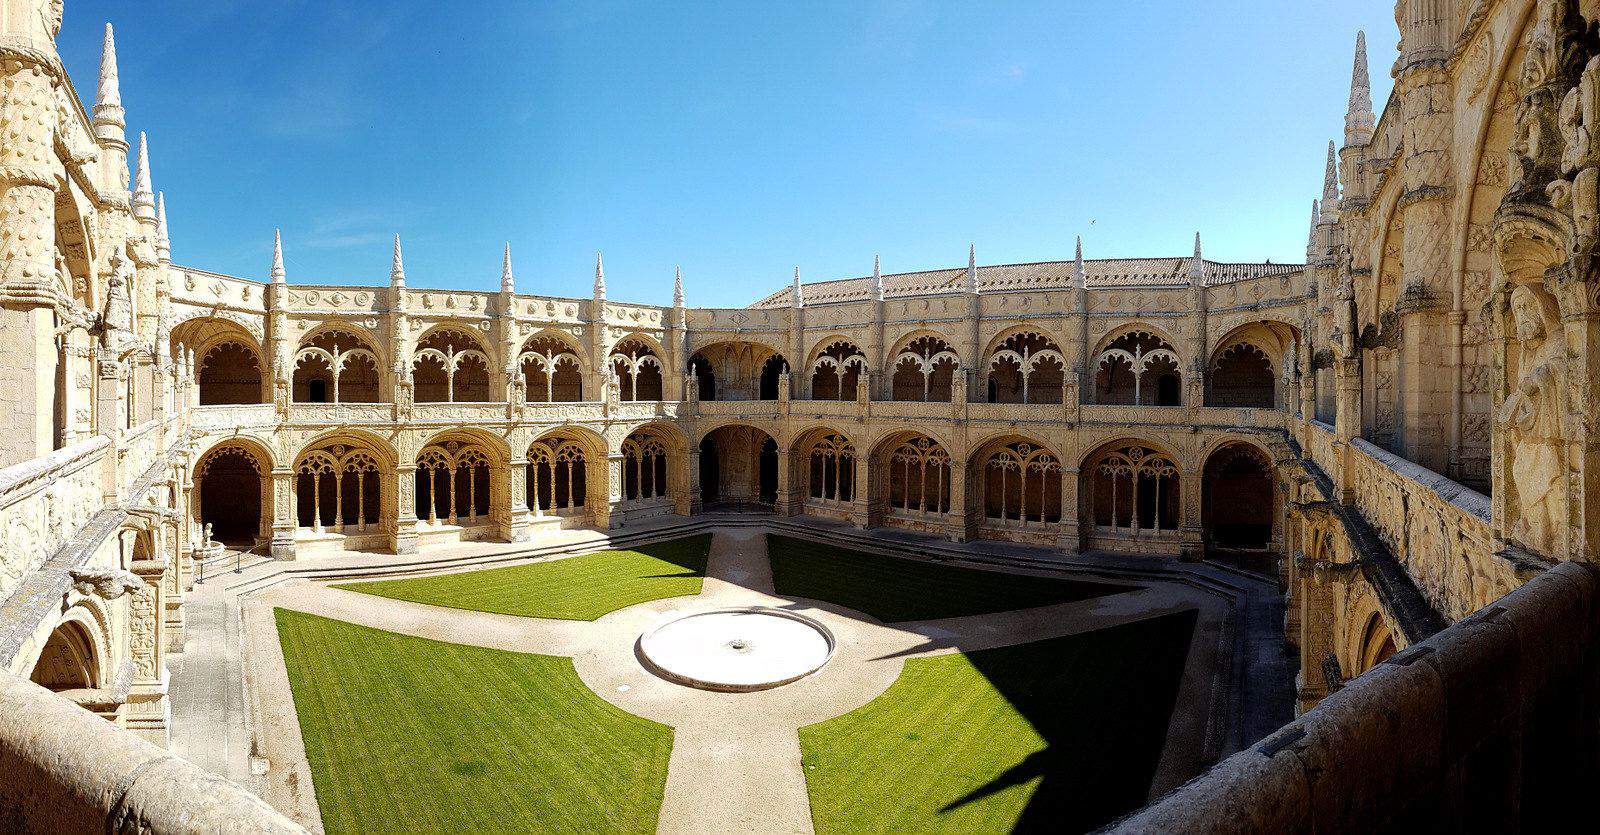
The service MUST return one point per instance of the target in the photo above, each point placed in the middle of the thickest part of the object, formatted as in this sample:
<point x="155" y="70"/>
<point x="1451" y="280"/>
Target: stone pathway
<point x="735" y="762"/>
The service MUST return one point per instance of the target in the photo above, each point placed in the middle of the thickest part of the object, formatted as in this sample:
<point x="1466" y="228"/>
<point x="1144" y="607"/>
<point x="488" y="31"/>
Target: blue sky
<point x="736" y="139"/>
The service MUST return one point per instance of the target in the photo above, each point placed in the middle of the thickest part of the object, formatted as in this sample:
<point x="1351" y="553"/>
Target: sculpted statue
<point x="1530" y="417"/>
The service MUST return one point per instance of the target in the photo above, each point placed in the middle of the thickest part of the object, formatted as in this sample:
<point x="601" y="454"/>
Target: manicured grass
<point x="892" y="589"/>
<point x="576" y="588"/>
<point x="1061" y="735"/>
<point x="406" y="734"/>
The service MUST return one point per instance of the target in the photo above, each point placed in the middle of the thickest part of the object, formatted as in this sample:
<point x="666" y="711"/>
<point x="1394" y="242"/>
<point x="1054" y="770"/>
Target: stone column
<point x="1191" y="533"/>
<point x="148" y="712"/>
<point x="284" y="511"/>
<point x="961" y="528"/>
<point x="519" y="529"/>
<point x="789" y="501"/>
<point x="689" y="504"/>
<point x="867" y="512"/>
<point x="28" y="242"/>
<point x="1317" y="625"/>
<point x="1070" y="538"/>
<point x="605" y="515"/>
<point x="405" y="539"/>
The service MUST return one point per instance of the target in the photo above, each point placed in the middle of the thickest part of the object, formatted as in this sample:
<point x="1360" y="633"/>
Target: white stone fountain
<point x="736" y="650"/>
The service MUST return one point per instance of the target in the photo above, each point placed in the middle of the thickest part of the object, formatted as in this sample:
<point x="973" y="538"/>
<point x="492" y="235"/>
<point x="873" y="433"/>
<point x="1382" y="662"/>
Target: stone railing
<point x="67" y="770"/>
<point x="44" y="503"/>
<point x="1438" y="529"/>
<point x="139" y="450"/>
<point x="1488" y="726"/>
<point x="238" y="416"/>
<point x="739" y="408"/>
<point x="1320" y="445"/>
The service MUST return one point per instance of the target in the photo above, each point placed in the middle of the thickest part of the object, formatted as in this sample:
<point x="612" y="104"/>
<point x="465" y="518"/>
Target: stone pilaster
<point x="148" y="712"/>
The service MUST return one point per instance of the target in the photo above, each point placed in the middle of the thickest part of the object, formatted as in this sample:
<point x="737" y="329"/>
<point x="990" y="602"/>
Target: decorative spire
<point x="877" y="278"/>
<point x="971" y="281"/>
<point x="397" y="270"/>
<point x="677" y="286"/>
<point x="1359" y="123"/>
<point x="1330" y="181"/>
<point x="1316" y="219"/>
<point x="798" y="297"/>
<point x="1197" y="267"/>
<point x="109" y="119"/>
<point x="508" y="282"/>
<point x="144" y="199"/>
<point x="599" y="277"/>
<point x="163" y="242"/>
<point x="278" y="274"/>
<point x="1078" y="273"/>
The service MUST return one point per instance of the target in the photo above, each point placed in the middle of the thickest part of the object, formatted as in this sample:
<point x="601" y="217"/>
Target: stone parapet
<point x="1479" y="728"/>
<point x="67" y="770"/>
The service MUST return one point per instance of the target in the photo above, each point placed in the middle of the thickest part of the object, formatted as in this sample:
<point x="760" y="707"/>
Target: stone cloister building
<point x="1399" y="430"/>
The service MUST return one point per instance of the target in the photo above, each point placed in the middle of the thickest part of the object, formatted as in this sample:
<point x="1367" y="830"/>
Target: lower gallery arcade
<point x="350" y="492"/>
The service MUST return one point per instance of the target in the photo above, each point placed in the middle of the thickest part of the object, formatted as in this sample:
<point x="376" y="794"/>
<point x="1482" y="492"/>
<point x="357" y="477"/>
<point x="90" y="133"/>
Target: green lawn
<point x="410" y="735"/>
<point x="892" y="589"/>
<point x="1061" y="735"/>
<point x="575" y="588"/>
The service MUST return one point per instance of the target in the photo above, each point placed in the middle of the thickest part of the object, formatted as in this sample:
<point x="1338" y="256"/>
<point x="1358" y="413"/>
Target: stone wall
<point x="1486" y="727"/>
<point x="69" y="771"/>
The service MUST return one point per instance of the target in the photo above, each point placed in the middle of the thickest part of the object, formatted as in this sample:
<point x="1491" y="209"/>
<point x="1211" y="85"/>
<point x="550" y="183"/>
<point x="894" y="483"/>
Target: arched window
<point x="336" y="367"/>
<point x="337" y="488"/>
<point x="230" y="372"/>
<point x="703" y="378"/>
<point x="1026" y="368"/>
<point x="68" y="660"/>
<point x="836" y="372"/>
<point x="1135" y="489"/>
<point x="557" y="481"/>
<point x="1237" y="494"/>
<point x="644" y="467"/>
<point x="552" y="372"/>
<point x="450" y="367"/>
<point x="924" y="371"/>
<point x="833" y="470"/>
<point x="919" y="477"/>
<point x="1022" y="485"/>
<point x="228" y="488"/>
<point x="638" y="370"/>
<point x="453" y="484"/>
<point x="771" y="377"/>
<point x="1138" y="369"/>
<point x="1242" y="376"/>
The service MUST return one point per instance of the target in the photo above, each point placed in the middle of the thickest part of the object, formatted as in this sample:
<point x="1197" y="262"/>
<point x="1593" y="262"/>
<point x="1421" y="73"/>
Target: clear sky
<point x="738" y="139"/>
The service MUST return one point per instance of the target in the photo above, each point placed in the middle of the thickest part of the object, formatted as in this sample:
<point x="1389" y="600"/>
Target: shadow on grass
<point x="1103" y="738"/>
<point x="894" y="589"/>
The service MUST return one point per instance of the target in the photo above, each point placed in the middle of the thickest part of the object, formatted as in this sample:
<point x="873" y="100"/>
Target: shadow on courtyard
<point x="1101" y="701"/>
<point x="1103" y="732"/>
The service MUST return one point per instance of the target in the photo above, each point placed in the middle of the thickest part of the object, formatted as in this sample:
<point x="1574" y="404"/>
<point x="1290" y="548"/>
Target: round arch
<point x="566" y="475"/>
<point x="229" y="363"/>
<point x="233" y="495"/>
<point x="74" y="657"/>
<point x="1017" y="482"/>
<point x="824" y="471"/>
<point x="1024" y="364"/>
<point x="1139" y="366"/>
<point x="738" y="466"/>
<point x="1130" y="496"/>
<point x="1239" y="503"/>
<point x="345" y="488"/>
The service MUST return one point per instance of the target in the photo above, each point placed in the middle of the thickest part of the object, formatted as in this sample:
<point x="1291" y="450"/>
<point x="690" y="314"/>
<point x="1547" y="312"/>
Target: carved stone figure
<point x="1530" y="417"/>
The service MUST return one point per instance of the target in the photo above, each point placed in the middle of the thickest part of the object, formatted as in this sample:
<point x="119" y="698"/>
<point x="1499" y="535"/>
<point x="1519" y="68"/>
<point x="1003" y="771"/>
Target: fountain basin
<point x="736" y="650"/>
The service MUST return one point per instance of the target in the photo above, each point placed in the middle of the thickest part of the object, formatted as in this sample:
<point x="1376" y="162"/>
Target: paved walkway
<point x="735" y="763"/>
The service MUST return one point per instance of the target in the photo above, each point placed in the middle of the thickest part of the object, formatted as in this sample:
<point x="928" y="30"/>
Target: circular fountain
<point x="736" y="650"/>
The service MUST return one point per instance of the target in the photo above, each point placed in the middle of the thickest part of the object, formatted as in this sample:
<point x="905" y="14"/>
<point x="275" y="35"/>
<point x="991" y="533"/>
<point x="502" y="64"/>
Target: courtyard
<point x="519" y="698"/>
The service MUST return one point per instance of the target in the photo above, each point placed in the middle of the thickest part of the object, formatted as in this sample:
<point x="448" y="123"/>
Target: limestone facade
<point x="1401" y="428"/>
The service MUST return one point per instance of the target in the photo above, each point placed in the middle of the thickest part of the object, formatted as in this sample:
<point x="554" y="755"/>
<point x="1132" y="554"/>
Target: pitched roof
<point x="1045" y="275"/>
